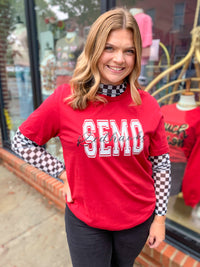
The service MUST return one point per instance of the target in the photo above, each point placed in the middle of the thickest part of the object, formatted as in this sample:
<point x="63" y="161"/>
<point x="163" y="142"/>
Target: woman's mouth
<point x="115" y="68"/>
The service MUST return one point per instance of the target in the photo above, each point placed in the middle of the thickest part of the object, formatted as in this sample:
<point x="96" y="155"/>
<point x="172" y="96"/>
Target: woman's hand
<point x="66" y="188"/>
<point x="157" y="231"/>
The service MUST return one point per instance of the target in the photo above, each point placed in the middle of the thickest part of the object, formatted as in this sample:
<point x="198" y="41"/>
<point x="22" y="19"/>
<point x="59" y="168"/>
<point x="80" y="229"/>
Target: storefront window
<point x="62" y="29"/>
<point x="167" y="39"/>
<point x="178" y="16"/>
<point x="15" y="65"/>
<point x="167" y="31"/>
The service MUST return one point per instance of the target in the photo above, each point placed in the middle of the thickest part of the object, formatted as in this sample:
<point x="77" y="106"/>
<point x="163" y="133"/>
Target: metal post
<point x="3" y="124"/>
<point x="33" y="50"/>
<point x="107" y="5"/>
<point x="111" y="4"/>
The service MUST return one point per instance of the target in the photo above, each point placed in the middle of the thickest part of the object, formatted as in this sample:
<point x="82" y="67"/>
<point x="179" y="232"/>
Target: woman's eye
<point x="130" y="51"/>
<point x="108" y="48"/>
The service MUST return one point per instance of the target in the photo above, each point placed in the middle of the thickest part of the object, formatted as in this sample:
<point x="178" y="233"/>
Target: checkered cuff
<point x="36" y="155"/>
<point x="162" y="181"/>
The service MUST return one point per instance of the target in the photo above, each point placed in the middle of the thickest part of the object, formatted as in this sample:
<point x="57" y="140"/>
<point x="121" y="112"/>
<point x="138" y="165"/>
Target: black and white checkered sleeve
<point x="36" y="155"/>
<point x="162" y="181"/>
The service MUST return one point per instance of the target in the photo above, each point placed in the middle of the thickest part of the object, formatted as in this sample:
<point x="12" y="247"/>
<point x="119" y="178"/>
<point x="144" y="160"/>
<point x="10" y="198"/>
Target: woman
<point x="117" y="168"/>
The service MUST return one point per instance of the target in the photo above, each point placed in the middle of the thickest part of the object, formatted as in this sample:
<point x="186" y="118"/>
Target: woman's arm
<point x="162" y="182"/>
<point x="36" y="155"/>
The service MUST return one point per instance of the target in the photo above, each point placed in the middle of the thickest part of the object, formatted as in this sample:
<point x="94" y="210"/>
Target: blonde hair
<point x="86" y="78"/>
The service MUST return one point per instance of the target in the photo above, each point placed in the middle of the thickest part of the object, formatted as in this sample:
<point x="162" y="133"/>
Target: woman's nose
<point x="119" y="57"/>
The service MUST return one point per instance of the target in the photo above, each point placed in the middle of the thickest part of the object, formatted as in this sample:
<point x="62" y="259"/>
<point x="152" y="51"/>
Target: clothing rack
<point x="194" y="52"/>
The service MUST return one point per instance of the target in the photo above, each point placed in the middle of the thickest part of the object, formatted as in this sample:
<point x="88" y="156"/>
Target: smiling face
<point x="118" y="58"/>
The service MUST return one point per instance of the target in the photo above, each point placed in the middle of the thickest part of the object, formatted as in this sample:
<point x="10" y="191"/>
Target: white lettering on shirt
<point x="120" y="137"/>
<point x="103" y="127"/>
<point x="138" y="136"/>
<point x="90" y="145"/>
<point x="112" y="138"/>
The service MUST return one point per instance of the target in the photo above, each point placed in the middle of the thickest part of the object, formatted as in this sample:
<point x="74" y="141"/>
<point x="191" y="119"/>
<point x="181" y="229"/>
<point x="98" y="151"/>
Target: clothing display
<point x="67" y="50"/>
<point x="19" y="46"/>
<point x="103" y="142"/>
<point x="145" y="24"/>
<point x="186" y="101"/>
<point x="47" y="70"/>
<point x="183" y="135"/>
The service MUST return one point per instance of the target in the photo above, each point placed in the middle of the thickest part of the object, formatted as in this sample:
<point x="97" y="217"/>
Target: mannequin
<point x="68" y="49"/>
<point x="182" y="125"/>
<point x="145" y="25"/>
<point x="134" y="11"/>
<point x="186" y="101"/>
<point x="19" y="46"/>
<point x="19" y="27"/>
<point x="47" y="70"/>
<point x="70" y="35"/>
<point x="18" y="41"/>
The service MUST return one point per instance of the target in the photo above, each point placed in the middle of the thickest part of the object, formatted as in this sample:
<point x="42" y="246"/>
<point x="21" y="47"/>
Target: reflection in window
<point x="18" y="43"/>
<point x="17" y="80"/>
<point x="151" y="13"/>
<point x="178" y="16"/>
<point x="172" y="26"/>
<point x="62" y="28"/>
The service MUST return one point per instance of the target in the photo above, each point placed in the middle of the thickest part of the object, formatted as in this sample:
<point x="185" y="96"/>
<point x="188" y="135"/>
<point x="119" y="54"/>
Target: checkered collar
<point x="112" y="90"/>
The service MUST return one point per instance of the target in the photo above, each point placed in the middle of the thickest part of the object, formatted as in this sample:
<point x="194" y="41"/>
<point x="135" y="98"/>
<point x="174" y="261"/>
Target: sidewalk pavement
<point x="32" y="230"/>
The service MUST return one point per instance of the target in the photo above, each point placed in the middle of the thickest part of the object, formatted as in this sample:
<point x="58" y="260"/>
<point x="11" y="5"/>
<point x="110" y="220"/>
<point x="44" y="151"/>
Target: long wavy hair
<point x="86" y="77"/>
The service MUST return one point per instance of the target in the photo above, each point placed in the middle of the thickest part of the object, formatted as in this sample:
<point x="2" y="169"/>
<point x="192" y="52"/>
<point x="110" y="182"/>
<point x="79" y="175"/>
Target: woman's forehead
<point x="121" y="35"/>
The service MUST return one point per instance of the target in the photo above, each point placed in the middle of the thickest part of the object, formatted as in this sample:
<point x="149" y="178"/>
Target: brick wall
<point x="4" y="31"/>
<point x="163" y="256"/>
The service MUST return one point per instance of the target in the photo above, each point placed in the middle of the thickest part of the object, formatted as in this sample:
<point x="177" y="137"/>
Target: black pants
<point x="92" y="247"/>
